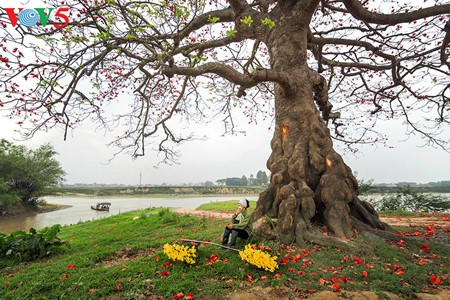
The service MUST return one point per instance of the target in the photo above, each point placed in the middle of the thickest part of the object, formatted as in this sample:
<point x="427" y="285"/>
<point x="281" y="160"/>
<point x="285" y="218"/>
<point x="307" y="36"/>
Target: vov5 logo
<point x="29" y="17"/>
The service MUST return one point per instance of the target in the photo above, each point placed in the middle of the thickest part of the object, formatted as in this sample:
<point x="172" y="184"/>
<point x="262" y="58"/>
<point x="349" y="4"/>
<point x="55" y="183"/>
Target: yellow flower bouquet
<point x="258" y="258"/>
<point x="181" y="253"/>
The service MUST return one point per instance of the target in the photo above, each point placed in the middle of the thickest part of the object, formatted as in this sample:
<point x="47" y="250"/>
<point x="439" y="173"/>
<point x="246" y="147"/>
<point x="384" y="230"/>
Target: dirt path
<point x="436" y="221"/>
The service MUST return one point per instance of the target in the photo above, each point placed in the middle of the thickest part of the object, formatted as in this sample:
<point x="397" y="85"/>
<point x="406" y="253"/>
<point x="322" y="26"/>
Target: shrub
<point x="408" y="199"/>
<point x="30" y="246"/>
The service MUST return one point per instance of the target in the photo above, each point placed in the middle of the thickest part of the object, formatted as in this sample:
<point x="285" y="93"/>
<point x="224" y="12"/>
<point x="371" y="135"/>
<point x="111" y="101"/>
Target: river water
<point x="80" y="209"/>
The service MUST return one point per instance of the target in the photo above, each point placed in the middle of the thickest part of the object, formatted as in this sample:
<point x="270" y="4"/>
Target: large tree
<point x="26" y="175"/>
<point x="322" y="69"/>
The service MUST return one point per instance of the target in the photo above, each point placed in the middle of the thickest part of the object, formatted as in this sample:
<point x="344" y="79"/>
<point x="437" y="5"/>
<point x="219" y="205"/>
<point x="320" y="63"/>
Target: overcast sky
<point x="84" y="156"/>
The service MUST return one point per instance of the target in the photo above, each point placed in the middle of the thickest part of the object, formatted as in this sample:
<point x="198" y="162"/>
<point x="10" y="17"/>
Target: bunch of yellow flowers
<point x="256" y="257"/>
<point x="180" y="252"/>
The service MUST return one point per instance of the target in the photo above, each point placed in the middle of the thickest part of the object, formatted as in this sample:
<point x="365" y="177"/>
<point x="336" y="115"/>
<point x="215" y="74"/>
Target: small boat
<point x="101" y="206"/>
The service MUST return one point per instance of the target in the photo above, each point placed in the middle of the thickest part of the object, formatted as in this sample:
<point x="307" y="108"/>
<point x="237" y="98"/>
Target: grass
<point x="226" y="206"/>
<point x="402" y="213"/>
<point x="121" y="257"/>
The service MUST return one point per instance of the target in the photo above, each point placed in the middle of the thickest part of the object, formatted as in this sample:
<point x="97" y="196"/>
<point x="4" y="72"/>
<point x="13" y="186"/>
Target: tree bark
<point x="310" y="183"/>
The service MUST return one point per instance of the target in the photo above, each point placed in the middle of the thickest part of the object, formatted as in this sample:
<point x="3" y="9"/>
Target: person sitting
<point x="239" y="226"/>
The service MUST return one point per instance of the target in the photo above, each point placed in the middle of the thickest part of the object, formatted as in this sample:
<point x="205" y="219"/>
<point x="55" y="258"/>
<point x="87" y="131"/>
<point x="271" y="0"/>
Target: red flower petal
<point x="178" y="296"/>
<point x="336" y="287"/>
<point x="71" y="266"/>
<point x="276" y="275"/>
<point x="364" y="273"/>
<point x="118" y="286"/>
<point x="435" y="280"/>
<point x="357" y="260"/>
<point x="190" y="296"/>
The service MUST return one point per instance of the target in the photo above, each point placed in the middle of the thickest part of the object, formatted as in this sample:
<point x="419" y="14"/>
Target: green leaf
<point x="213" y="20"/>
<point x="268" y="22"/>
<point x="247" y="20"/>
<point x="231" y="33"/>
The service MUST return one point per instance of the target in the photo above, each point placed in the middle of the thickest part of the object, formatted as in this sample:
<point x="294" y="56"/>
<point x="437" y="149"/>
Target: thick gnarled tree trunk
<point x="310" y="183"/>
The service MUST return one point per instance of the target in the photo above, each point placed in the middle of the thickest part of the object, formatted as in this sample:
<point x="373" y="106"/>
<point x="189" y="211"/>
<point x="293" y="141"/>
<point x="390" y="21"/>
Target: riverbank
<point x="161" y="190"/>
<point x="19" y="210"/>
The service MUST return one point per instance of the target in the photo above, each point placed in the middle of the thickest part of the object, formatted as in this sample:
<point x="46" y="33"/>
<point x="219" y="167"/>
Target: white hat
<point x="244" y="202"/>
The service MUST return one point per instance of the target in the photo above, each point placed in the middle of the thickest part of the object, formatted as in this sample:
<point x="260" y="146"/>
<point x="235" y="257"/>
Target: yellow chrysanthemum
<point x="259" y="258"/>
<point x="181" y="253"/>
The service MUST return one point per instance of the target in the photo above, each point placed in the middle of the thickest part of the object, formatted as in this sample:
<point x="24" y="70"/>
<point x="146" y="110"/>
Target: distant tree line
<point x="260" y="179"/>
<point x="369" y="187"/>
<point x="26" y="175"/>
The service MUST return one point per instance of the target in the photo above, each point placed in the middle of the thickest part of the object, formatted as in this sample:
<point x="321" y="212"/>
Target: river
<point x="80" y="209"/>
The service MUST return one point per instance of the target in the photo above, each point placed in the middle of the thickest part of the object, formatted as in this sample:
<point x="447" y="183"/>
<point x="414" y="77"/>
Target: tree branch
<point x="230" y="74"/>
<point x="361" y="13"/>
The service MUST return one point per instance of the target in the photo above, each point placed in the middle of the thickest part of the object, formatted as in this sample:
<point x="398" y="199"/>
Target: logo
<point x="29" y="17"/>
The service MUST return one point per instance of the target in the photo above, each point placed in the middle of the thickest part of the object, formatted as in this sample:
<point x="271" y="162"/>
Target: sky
<point x="85" y="155"/>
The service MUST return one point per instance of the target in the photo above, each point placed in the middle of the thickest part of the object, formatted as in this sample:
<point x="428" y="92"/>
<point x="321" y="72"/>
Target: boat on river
<point x="101" y="206"/>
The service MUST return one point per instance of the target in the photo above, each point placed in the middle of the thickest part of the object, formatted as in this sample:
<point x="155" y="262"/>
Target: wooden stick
<point x="211" y="243"/>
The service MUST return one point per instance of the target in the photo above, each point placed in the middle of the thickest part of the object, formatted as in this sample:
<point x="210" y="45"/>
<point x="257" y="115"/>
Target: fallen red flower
<point x="71" y="266"/>
<point x="214" y="258"/>
<point x="336" y="287"/>
<point x="165" y="273"/>
<point x="276" y="275"/>
<point x="167" y="264"/>
<point x="118" y="286"/>
<point x="435" y="280"/>
<point x="189" y="296"/>
<point x="178" y="296"/>
<point x="284" y="261"/>
<point x="357" y="260"/>
<point x="364" y="273"/>
<point x="295" y="258"/>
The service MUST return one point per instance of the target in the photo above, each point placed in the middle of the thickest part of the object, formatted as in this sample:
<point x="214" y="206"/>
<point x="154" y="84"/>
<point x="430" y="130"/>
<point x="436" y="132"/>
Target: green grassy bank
<point x="121" y="257"/>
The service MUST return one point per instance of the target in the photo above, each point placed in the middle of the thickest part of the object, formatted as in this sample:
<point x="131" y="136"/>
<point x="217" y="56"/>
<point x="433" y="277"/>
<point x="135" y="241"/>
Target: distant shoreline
<point x="161" y="191"/>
